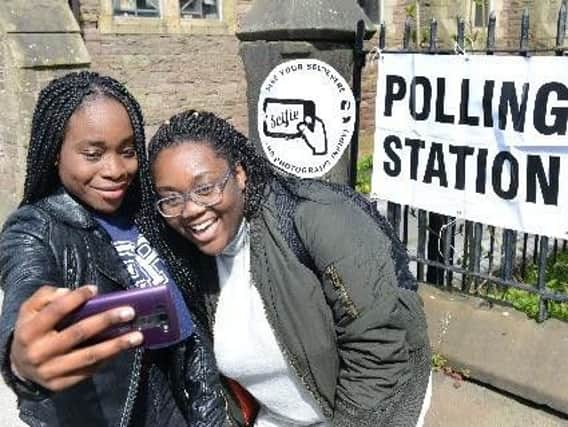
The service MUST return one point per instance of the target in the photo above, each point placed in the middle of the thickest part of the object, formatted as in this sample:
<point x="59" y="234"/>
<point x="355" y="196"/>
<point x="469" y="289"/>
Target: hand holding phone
<point x="58" y="359"/>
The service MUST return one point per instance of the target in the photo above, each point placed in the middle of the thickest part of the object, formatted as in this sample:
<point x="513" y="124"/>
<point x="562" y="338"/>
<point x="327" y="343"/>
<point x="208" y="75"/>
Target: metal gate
<point x="457" y="254"/>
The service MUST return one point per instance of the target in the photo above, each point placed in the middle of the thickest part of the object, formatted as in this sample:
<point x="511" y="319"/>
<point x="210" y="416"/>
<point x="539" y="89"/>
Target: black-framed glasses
<point x="206" y="196"/>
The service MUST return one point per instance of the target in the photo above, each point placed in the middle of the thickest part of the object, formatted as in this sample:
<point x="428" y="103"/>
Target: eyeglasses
<point x="206" y="196"/>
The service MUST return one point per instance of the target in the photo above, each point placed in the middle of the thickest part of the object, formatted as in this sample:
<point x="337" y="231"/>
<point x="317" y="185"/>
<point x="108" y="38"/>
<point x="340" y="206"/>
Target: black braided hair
<point x="56" y="104"/>
<point x="228" y="143"/>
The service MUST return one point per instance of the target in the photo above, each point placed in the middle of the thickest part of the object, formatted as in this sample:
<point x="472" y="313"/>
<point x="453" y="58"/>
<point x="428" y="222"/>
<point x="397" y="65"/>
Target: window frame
<point x="159" y="11"/>
<point x="219" y="10"/>
<point x="485" y="11"/>
<point x="170" y="21"/>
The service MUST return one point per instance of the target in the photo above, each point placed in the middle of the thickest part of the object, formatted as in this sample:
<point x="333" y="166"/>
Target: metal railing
<point x="462" y="255"/>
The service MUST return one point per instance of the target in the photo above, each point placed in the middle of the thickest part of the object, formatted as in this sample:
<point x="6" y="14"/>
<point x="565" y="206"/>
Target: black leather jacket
<point x="56" y="242"/>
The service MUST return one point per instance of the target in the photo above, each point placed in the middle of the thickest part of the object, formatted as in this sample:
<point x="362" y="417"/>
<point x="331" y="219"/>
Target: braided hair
<point x="56" y="104"/>
<point x="228" y="143"/>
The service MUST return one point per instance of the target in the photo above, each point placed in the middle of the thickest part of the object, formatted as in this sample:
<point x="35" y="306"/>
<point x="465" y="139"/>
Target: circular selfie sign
<point x="306" y="117"/>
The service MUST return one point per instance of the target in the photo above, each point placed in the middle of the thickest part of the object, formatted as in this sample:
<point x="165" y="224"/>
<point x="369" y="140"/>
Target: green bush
<point x="364" y="171"/>
<point x="556" y="279"/>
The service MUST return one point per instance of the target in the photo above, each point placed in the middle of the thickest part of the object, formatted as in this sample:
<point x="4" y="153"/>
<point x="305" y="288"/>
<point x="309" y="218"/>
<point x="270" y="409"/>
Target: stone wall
<point x="33" y="50"/>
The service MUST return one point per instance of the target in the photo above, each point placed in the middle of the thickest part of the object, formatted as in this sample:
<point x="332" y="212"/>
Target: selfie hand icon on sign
<point x="292" y="119"/>
<point x="313" y="133"/>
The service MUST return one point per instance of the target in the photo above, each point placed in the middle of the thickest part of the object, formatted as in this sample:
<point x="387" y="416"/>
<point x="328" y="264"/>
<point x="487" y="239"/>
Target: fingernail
<point x="126" y="314"/>
<point x="135" y="338"/>
<point x="62" y="291"/>
<point x="92" y="289"/>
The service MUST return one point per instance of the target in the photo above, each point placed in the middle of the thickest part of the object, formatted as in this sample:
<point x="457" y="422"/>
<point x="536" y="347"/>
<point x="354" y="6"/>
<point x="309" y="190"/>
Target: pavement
<point x="500" y="346"/>
<point x="455" y="403"/>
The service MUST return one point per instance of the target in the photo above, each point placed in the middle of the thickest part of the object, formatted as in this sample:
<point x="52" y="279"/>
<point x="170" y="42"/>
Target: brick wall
<point x="171" y="72"/>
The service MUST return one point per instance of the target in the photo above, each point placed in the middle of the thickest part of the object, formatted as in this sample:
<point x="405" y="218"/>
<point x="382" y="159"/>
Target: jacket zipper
<point x="291" y="360"/>
<point x="133" y="388"/>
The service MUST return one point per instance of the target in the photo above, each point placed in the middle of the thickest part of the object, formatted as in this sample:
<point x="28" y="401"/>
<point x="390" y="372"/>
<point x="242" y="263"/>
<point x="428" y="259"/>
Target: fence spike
<point x="561" y="28"/>
<point x="406" y="37"/>
<point x="382" y="35"/>
<point x="491" y="26"/>
<point x="524" y="45"/>
<point x="541" y="279"/>
<point x="461" y="32"/>
<point x="433" y="35"/>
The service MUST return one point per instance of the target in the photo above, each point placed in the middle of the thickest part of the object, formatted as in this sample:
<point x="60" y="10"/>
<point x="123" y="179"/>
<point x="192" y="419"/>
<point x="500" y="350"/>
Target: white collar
<point x="238" y="242"/>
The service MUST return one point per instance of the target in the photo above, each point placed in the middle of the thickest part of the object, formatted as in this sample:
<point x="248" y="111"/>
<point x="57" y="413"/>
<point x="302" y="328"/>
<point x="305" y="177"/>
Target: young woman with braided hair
<point x="87" y="225"/>
<point x="309" y="299"/>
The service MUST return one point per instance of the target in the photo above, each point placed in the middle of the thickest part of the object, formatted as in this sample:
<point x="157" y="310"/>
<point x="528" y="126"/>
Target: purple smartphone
<point x="156" y="315"/>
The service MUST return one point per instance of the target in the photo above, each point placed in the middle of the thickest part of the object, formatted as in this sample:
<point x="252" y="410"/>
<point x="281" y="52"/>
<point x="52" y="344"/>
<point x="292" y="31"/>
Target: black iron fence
<point x="458" y="254"/>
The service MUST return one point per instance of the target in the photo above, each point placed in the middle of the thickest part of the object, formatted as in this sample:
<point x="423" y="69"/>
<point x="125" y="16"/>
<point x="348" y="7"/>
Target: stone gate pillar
<point x="305" y="112"/>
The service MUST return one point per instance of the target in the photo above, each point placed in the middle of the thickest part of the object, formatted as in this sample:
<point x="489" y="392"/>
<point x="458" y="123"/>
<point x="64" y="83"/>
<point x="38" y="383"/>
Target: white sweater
<point x="246" y="348"/>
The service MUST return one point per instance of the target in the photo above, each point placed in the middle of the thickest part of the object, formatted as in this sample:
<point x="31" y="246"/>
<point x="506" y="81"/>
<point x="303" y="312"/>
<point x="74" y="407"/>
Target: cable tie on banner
<point x="459" y="50"/>
<point x="375" y="54"/>
<point x="443" y="230"/>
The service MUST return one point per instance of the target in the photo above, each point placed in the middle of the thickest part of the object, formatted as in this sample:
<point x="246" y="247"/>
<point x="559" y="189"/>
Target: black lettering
<point x="461" y="152"/>
<point x="549" y="188"/>
<point x="415" y="146"/>
<point x="391" y="95"/>
<point x="509" y="101"/>
<point x="436" y="166"/>
<point x="481" y="171"/>
<point x="497" y="175"/>
<point x="441" y="116"/>
<point x="426" y="91"/>
<point x="541" y="108"/>
<point x="488" y="90"/>
<point x="392" y="169"/>
<point x="465" y="118"/>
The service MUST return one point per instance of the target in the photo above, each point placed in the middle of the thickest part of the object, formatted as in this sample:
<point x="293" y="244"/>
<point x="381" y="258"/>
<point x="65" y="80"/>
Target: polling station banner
<point x="475" y="137"/>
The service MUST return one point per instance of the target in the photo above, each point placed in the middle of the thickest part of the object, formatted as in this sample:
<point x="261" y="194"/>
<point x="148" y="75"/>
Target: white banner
<point x="476" y="137"/>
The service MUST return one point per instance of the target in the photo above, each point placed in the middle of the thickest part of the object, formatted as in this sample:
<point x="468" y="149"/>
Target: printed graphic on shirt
<point x="143" y="263"/>
<point x="306" y="117"/>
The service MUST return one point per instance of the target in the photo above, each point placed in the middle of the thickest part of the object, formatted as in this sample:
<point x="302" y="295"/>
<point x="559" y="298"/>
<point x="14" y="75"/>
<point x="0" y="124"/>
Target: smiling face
<point x="192" y="165"/>
<point x="97" y="161"/>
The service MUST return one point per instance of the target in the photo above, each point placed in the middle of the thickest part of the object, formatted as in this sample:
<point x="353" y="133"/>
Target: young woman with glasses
<point x="339" y="343"/>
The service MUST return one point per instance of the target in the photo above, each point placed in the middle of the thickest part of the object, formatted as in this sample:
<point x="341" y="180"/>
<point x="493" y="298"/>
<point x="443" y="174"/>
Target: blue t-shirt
<point x="143" y="263"/>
